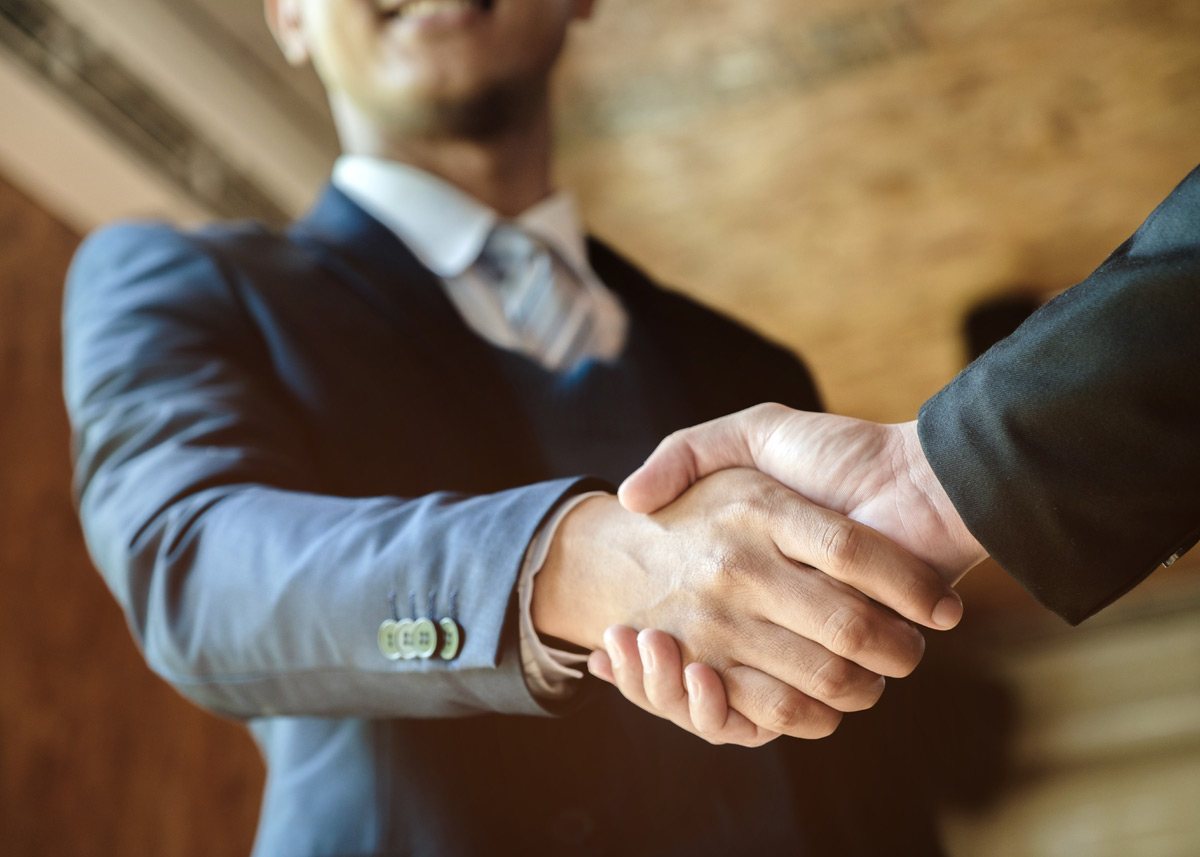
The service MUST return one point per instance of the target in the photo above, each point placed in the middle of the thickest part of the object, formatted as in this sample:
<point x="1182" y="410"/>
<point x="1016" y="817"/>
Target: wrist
<point x="569" y="593"/>
<point x="964" y="550"/>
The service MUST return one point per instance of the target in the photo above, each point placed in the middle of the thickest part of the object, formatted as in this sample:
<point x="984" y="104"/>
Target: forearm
<point x="253" y="600"/>
<point x="1068" y="448"/>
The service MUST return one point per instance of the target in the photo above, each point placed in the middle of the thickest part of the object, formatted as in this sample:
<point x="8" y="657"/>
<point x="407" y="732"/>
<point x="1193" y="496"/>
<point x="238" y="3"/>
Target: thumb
<point x="667" y="473"/>
<point x="691" y="454"/>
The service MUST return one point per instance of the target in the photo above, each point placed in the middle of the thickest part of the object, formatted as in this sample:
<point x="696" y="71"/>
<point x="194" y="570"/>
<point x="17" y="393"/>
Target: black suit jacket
<point x="1072" y="448"/>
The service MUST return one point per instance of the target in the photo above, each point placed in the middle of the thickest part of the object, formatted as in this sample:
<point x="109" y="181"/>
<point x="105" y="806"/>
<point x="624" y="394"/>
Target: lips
<point x="395" y="9"/>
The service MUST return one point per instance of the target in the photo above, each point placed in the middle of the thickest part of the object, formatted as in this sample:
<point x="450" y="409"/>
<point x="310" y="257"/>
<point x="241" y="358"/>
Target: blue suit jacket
<point x="277" y="434"/>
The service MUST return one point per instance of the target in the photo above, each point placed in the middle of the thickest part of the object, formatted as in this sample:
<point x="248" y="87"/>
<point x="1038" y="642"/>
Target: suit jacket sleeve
<point x="250" y="593"/>
<point x="1071" y="448"/>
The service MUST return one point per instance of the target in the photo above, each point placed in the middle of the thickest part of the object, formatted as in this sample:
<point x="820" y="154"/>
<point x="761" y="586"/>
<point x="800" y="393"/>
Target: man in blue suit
<point x="351" y="483"/>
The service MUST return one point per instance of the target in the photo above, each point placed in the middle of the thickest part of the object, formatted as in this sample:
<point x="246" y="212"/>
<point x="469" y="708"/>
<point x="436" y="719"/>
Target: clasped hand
<point x="874" y="474"/>
<point x="787" y="614"/>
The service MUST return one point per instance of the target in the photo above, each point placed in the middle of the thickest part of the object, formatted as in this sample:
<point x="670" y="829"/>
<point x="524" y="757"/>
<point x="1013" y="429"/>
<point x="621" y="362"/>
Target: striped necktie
<point x="547" y="307"/>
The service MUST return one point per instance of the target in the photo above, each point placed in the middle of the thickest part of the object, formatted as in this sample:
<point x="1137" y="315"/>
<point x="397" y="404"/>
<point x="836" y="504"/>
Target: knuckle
<point x="729" y="565"/>
<point x="849" y="631"/>
<point x="787" y="712"/>
<point x="679" y="437"/>
<point x="751" y="499"/>
<point x="917" y="592"/>
<point x="833" y="679"/>
<point x="735" y="511"/>
<point x="746" y="508"/>
<point x="767" y="410"/>
<point x="723" y="566"/>
<point x="841" y="543"/>
<point x="767" y="498"/>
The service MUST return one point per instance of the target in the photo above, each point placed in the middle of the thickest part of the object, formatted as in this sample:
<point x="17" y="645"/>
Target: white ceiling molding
<point x="207" y="122"/>
<point x="57" y="155"/>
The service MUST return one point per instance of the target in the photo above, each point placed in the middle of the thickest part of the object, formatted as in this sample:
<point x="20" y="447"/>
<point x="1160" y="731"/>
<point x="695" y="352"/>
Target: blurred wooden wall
<point x="97" y="756"/>
<point x="851" y="175"/>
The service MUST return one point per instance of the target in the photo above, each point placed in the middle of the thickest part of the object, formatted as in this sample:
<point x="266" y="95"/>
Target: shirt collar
<point x="445" y="227"/>
<point x="556" y="221"/>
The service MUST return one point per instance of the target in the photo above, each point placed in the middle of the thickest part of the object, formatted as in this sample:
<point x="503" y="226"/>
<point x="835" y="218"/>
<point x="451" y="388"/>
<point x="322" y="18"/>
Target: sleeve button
<point x="425" y="638"/>
<point x="388" y="639"/>
<point x="451" y="639"/>
<point x="404" y="639"/>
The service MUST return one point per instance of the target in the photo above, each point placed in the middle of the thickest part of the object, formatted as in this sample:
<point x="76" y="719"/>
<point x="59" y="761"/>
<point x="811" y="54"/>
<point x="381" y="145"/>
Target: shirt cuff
<point x="551" y="674"/>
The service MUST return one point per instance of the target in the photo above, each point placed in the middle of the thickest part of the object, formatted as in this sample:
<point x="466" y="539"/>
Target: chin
<point x="478" y="111"/>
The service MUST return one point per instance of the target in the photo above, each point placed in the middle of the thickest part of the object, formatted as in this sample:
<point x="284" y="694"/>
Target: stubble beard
<point x="502" y="109"/>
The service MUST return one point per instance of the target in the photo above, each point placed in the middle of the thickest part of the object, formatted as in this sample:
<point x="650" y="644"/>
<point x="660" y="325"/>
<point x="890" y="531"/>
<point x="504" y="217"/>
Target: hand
<point x="730" y="570"/>
<point x="874" y="474"/>
<point x="645" y="667"/>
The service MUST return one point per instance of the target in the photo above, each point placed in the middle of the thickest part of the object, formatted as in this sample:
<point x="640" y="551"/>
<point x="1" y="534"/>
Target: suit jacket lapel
<point x="370" y="259"/>
<point x="380" y="267"/>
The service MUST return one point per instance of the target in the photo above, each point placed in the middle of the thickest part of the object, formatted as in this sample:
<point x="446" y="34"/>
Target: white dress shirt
<point x="446" y="229"/>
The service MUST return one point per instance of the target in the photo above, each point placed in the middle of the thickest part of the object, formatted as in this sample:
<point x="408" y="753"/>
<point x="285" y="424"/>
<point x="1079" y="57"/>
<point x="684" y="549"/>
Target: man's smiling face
<point x="404" y="62"/>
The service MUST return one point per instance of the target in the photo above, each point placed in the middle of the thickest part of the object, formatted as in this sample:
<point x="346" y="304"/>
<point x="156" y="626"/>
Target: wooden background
<point x="850" y="177"/>
<point x="97" y="756"/>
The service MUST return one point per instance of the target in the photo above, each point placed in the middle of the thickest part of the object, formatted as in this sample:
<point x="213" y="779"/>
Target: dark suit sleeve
<point x="1072" y="448"/>
<point x="250" y="593"/>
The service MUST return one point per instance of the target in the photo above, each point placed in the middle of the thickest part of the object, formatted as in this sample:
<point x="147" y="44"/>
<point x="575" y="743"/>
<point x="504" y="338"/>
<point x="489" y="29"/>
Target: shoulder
<point x="153" y="259"/>
<point x="119" y="244"/>
<point x="131" y="242"/>
<point x="135" y="280"/>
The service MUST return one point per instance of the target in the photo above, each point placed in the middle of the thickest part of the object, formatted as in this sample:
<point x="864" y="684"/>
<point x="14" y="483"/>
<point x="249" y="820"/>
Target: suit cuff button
<point x="389" y="640"/>
<point x="425" y="642"/>
<point x="452" y="639"/>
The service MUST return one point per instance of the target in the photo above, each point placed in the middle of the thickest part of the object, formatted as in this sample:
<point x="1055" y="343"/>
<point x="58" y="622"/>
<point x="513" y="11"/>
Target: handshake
<point x="778" y="564"/>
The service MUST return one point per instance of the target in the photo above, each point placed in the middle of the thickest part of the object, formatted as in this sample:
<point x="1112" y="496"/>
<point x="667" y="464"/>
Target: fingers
<point x="702" y="706"/>
<point x="865" y="560"/>
<point x="777" y="706"/>
<point x="662" y="676"/>
<point x="707" y="702"/>
<point x="748" y="706"/>
<point x="646" y="668"/>
<point x="815" y="607"/>
<point x="827" y="678"/>
<point x="810" y="668"/>
<point x="600" y="666"/>
<point x="690" y="454"/>
<point x="629" y="675"/>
